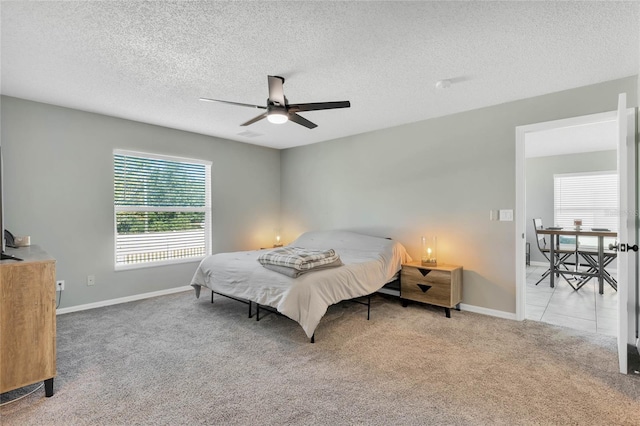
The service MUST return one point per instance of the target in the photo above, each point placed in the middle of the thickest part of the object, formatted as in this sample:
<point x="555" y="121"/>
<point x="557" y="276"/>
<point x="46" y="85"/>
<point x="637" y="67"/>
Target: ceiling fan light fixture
<point x="277" y="117"/>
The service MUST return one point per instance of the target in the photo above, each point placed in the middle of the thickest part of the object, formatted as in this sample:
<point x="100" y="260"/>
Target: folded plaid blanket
<point x="294" y="273"/>
<point x="298" y="258"/>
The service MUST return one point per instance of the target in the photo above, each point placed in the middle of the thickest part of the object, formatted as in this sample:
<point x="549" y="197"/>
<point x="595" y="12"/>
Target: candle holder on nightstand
<point x="277" y="241"/>
<point x="429" y="254"/>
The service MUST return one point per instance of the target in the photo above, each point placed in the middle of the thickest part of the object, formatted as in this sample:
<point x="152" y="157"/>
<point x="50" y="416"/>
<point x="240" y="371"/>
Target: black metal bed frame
<point x="269" y="309"/>
<point x="248" y="302"/>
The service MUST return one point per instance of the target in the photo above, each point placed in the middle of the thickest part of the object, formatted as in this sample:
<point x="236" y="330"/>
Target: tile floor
<point x="584" y="309"/>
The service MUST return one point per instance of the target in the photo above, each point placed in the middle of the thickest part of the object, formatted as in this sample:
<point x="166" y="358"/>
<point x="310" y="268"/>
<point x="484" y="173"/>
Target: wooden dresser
<point x="436" y="285"/>
<point x="27" y="320"/>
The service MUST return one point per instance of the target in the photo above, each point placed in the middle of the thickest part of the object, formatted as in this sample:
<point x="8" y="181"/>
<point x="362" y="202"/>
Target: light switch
<point x="506" y="215"/>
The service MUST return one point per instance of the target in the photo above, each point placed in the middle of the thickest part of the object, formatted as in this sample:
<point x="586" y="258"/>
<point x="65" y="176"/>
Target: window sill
<point x="143" y="265"/>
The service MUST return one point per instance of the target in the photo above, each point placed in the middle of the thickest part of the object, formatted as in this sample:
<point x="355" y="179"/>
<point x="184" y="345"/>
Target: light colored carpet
<point x="177" y="360"/>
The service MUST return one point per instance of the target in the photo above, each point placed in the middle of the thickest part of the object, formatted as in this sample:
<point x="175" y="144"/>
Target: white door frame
<point x="521" y="197"/>
<point x="520" y="213"/>
<point x="627" y="260"/>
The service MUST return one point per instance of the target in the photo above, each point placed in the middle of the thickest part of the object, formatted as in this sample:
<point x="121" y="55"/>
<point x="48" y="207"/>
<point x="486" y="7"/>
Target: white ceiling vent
<point x="249" y="134"/>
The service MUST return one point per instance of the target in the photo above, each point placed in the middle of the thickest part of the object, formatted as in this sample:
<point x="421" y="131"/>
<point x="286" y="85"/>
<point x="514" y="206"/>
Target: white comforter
<point x="369" y="263"/>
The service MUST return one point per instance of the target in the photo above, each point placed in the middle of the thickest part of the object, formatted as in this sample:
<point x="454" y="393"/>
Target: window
<point x="162" y="209"/>
<point x="592" y="197"/>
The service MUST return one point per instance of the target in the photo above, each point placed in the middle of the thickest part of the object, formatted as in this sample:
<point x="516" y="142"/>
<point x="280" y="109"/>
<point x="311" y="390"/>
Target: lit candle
<point x="429" y="251"/>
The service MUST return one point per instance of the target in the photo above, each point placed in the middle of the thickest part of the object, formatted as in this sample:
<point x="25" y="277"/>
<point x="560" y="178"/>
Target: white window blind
<point x="592" y="197"/>
<point x="162" y="209"/>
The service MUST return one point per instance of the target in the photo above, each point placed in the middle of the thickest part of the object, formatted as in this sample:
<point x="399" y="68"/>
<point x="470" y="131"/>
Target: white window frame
<point x="206" y="209"/>
<point x="586" y="241"/>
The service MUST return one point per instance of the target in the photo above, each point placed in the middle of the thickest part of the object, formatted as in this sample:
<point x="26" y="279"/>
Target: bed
<point x="368" y="264"/>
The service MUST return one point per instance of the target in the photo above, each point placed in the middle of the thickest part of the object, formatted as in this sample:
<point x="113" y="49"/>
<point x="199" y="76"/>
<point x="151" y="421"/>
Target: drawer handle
<point x="424" y="272"/>
<point x="424" y="287"/>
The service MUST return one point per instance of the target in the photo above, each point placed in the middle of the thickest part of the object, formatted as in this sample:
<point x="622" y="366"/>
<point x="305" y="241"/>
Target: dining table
<point x="601" y="234"/>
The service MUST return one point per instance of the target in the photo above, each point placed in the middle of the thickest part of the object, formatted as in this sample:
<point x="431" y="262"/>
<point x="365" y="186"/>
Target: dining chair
<point x="591" y="257"/>
<point x="561" y="254"/>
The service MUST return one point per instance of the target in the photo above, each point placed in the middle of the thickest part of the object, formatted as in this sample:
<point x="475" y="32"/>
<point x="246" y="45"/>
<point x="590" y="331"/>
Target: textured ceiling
<point x="151" y="61"/>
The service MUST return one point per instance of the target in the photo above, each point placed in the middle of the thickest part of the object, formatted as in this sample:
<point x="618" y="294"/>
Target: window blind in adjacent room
<point x="592" y="197"/>
<point x="162" y="209"/>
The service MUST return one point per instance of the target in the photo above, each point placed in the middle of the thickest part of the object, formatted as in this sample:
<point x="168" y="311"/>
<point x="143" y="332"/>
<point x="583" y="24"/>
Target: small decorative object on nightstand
<point x="429" y="256"/>
<point x="436" y="285"/>
<point x="277" y="242"/>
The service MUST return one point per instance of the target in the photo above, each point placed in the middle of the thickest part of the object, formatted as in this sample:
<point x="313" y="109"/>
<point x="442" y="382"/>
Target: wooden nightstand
<point x="436" y="285"/>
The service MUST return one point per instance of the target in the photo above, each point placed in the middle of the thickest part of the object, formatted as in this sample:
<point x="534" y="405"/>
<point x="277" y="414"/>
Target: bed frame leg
<point x="313" y="338"/>
<point x="249" y="308"/>
<point x="368" y="307"/>
<point x="212" y="293"/>
<point x="257" y="312"/>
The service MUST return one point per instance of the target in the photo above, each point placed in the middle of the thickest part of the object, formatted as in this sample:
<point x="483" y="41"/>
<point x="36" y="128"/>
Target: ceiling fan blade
<point x="318" y="106"/>
<point x="254" y="119"/>
<point x="276" y="92"/>
<point x="302" y="121"/>
<point x="233" y="103"/>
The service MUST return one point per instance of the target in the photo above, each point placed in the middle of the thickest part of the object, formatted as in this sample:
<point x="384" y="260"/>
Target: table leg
<point x="600" y="263"/>
<point x="552" y="261"/>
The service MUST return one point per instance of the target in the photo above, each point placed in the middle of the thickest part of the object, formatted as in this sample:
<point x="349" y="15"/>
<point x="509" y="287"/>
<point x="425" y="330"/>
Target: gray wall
<point x="540" y="171"/>
<point x="58" y="183"/>
<point x="440" y="176"/>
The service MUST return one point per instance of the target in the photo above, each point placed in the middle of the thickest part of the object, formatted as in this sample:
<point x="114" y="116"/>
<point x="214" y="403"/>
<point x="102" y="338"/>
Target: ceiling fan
<point x="279" y="111"/>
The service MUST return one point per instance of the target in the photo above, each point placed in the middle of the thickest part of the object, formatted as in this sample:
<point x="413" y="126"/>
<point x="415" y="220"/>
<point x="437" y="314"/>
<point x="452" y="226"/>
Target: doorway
<point x="541" y="141"/>
<point x="564" y="163"/>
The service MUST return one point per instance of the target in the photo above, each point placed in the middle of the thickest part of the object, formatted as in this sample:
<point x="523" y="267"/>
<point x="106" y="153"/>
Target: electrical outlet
<point x="59" y="285"/>
<point x="91" y="280"/>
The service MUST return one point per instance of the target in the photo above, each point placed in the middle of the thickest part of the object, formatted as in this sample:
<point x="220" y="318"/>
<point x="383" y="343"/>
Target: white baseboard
<point x="122" y="300"/>
<point x="487" y="311"/>
<point x="463" y="306"/>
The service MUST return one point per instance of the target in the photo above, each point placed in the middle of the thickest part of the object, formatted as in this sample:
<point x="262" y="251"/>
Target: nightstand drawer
<point x="436" y="285"/>
<point x="425" y="291"/>
<point x="426" y="275"/>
